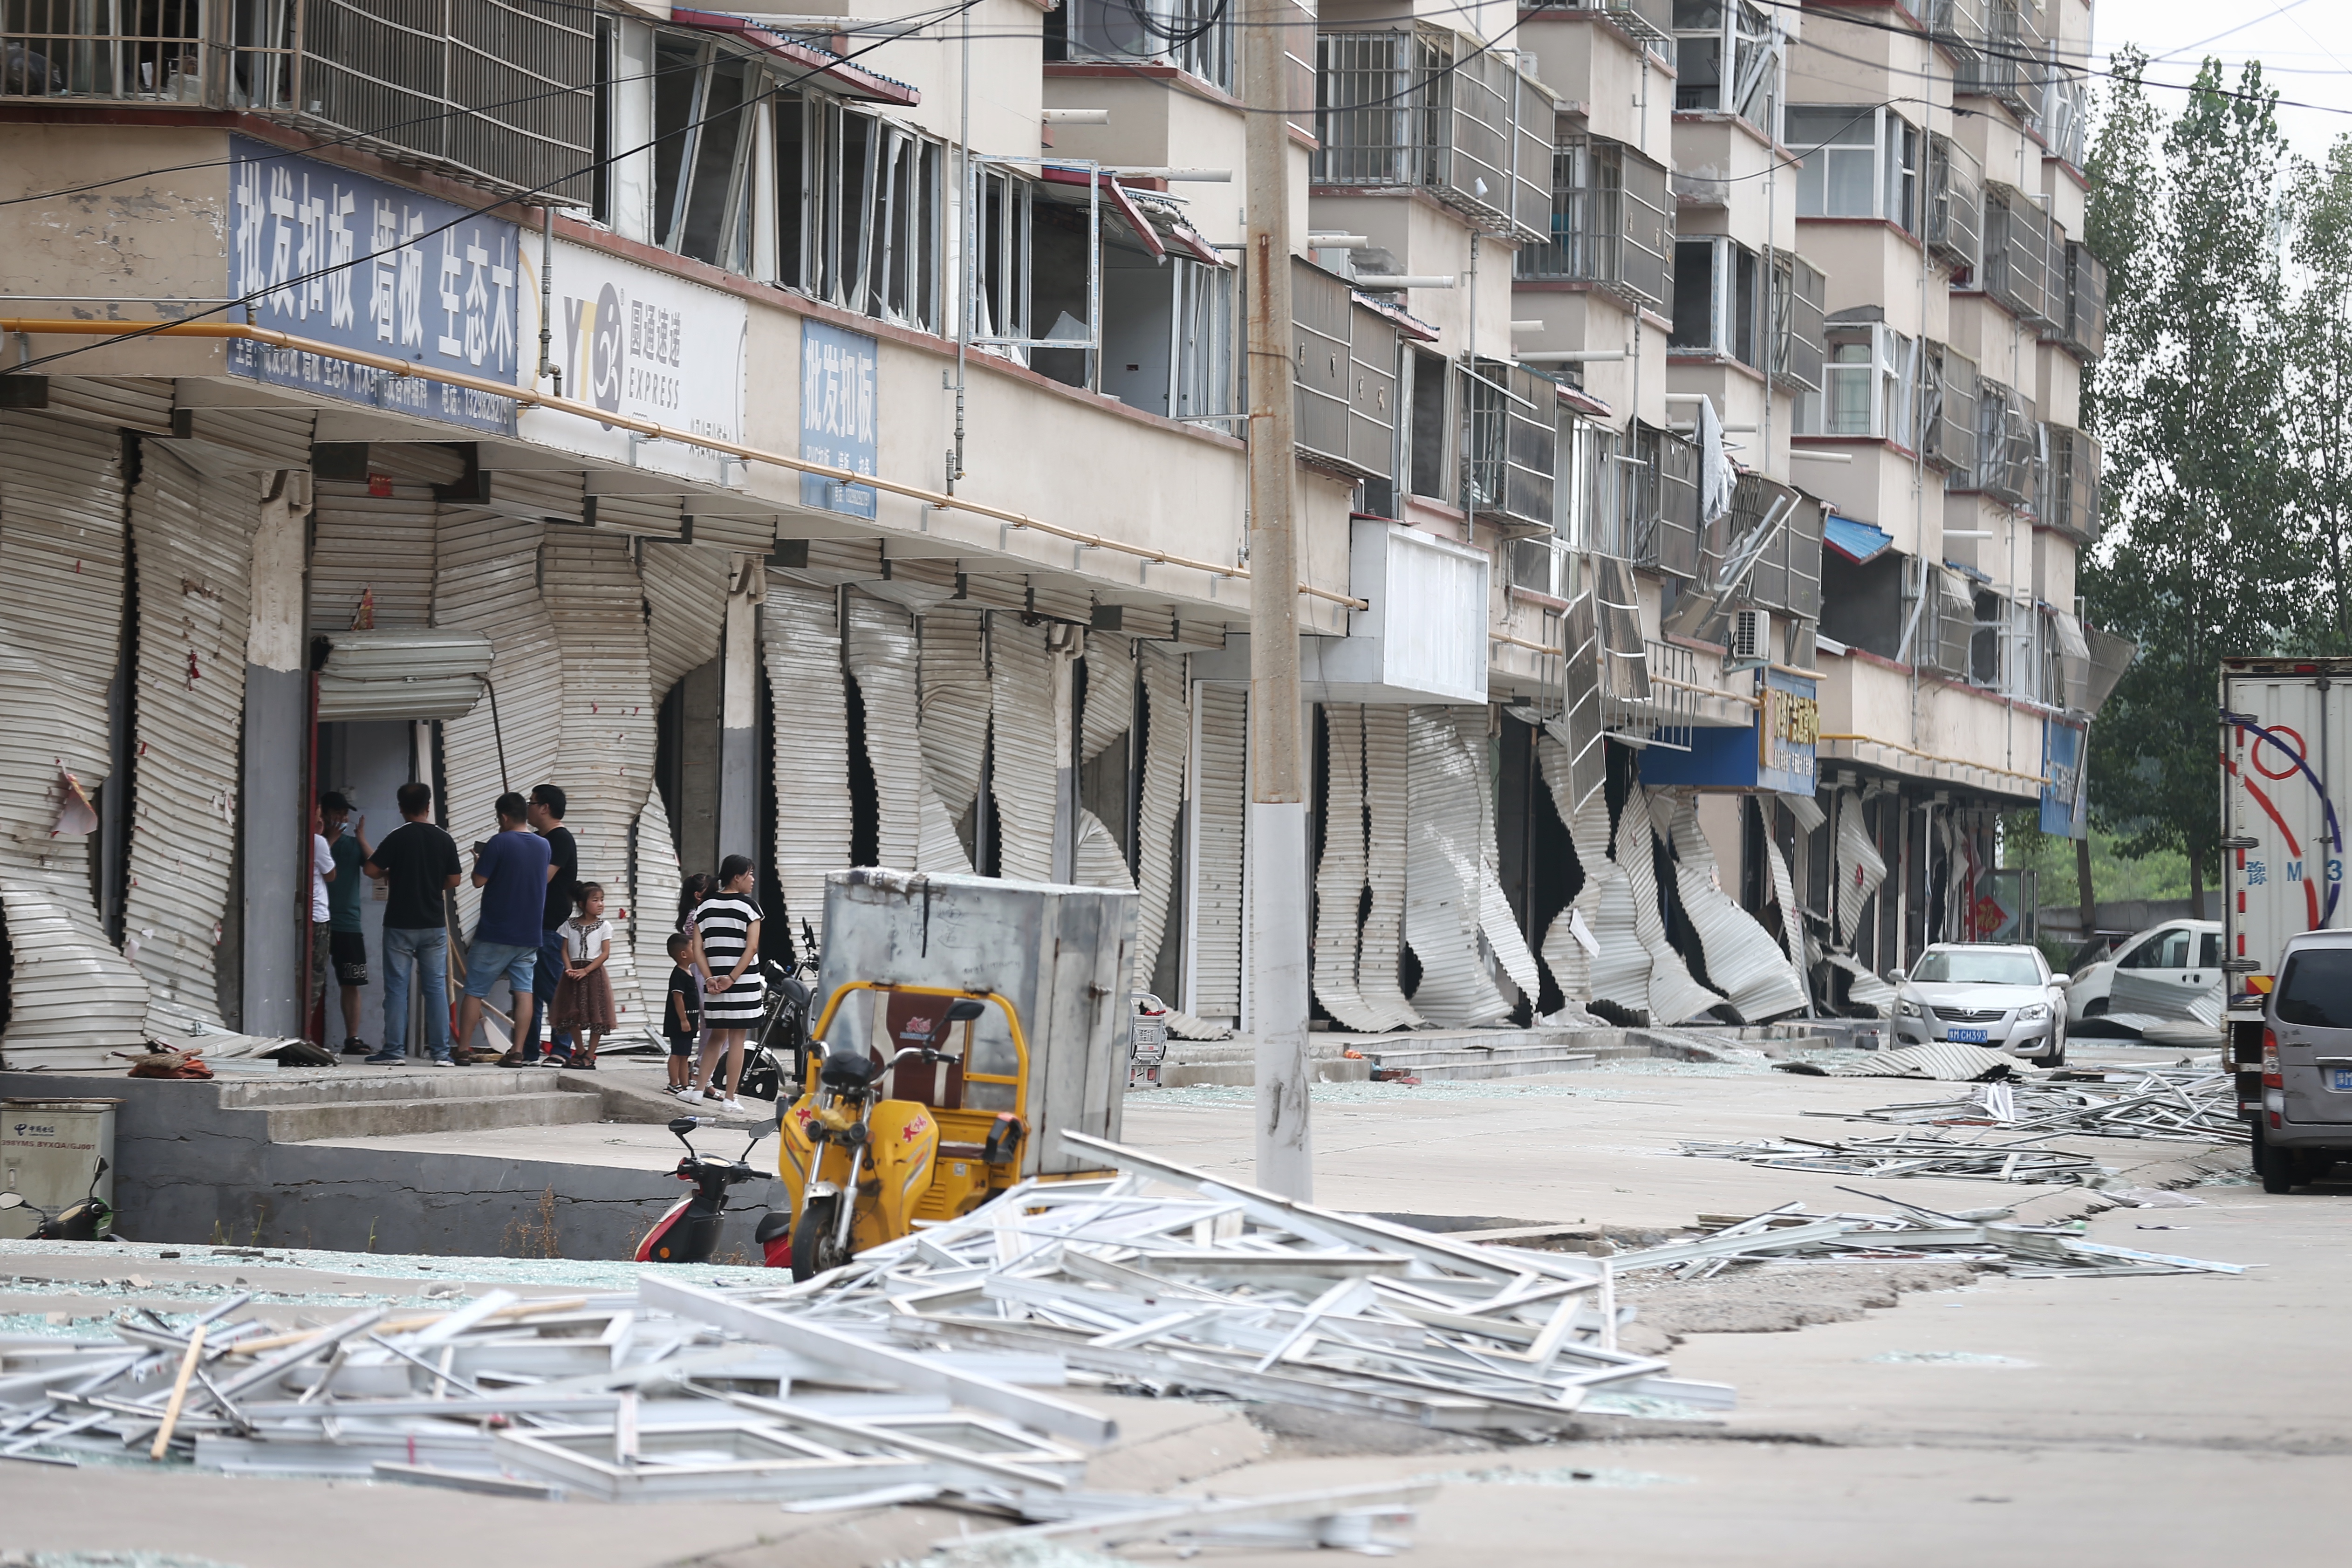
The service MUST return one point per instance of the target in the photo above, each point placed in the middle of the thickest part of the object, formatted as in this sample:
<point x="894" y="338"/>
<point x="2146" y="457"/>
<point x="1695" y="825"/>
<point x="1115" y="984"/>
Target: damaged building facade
<point x="1689" y="481"/>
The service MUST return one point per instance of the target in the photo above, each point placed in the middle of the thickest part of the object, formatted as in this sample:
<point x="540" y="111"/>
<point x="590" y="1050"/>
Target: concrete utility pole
<point x="1278" y="813"/>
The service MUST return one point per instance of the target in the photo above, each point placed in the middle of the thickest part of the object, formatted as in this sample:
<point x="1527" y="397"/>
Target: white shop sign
<point x="640" y="343"/>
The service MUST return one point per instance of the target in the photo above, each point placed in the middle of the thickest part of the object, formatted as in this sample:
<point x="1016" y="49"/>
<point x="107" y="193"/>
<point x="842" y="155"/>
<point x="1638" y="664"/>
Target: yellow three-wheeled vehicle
<point x="881" y="1139"/>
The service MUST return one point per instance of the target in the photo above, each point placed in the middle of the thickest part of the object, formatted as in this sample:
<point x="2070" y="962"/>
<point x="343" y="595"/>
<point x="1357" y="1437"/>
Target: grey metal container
<point x="1061" y="956"/>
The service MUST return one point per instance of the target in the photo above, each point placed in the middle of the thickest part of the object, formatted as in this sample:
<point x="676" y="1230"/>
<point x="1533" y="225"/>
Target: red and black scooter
<point x="689" y="1231"/>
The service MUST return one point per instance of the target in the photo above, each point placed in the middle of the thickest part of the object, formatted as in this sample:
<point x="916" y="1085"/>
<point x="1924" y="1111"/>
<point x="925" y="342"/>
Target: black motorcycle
<point x="90" y="1218"/>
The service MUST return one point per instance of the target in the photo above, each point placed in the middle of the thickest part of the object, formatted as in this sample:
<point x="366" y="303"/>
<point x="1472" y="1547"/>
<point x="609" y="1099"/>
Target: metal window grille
<point x="1610" y="222"/>
<point x="147" y="50"/>
<point x="1799" y="298"/>
<point x="1955" y="216"/>
<point x="2000" y="61"/>
<point x="1651" y="21"/>
<point x="1430" y="109"/>
<point x="2018" y="242"/>
<point x="2007" y="446"/>
<point x="1661" y="493"/>
<point x="2086" y="327"/>
<point x="2076" y="458"/>
<point x="1510" y="466"/>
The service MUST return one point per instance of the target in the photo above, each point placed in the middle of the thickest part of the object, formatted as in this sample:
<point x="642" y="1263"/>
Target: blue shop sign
<point x="838" y="375"/>
<point x="1777" y="752"/>
<point x="325" y="254"/>
<point x="2063" y="800"/>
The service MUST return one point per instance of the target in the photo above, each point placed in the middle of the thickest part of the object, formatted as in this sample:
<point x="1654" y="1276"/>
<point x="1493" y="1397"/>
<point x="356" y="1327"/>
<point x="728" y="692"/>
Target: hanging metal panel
<point x="486" y="570"/>
<point x="1858" y="865"/>
<point x="1099" y="862"/>
<point x="372" y="555"/>
<point x="803" y="649"/>
<point x="597" y="606"/>
<point x="72" y="995"/>
<point x="1221" y="808"/>
<point x="686" y="609"/>
<point x="1388" y="788"/>
<point x="1026" y="763"/>
<point x="1442" y="892"/>
<point x="1167" y="734"/>
<point x="1673" y="994"/>
<point x="1110" y="693"/>
<point x="882" y="659"/>
<point x="953" y="724"/>
<point x="1339" y="874"/>
<point x="1568" y="944"/>
<point x="192" y="541"/>
<point x="1741" y="956"/>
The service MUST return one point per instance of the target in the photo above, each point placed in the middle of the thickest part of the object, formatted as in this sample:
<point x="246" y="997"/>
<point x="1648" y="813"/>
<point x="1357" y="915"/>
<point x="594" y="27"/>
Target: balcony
<point x="2001" y="60"/>
<point x="2008" y="446"/>
<point x="2019" y="240"/>
<point x="1347" y="377"/>
<point x="1512" y="463"/>
<point x="1948" y="408"/>
<point x="1430" y="109"/>
<point x="2072" y="505"/>
<point x="1955" y="202"/>
<point x="1651" y="21"/>
<point x="402" y="78"/>
<point x="1657" y="523"/>
<point x="2084" y="325"/>
<point x="1612" y="223"/>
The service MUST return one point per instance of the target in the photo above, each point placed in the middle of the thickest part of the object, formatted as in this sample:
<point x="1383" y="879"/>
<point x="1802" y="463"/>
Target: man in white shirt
<point x="322" y="871"/>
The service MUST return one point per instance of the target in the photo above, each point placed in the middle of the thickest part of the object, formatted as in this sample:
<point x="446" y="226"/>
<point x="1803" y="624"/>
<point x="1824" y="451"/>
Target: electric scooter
<point x="689" y="1231"/>
<point x="89" y="1219"/>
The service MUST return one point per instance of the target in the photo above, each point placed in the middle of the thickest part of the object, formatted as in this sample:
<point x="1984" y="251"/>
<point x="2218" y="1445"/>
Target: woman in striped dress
<point x="727" y="940"/>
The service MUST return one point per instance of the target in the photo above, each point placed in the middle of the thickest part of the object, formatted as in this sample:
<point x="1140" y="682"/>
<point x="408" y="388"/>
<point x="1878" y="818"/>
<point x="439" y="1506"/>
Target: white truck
<point x="2286" y="763"/>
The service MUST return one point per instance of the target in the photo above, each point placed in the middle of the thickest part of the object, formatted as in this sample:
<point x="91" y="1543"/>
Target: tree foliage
<point x="2202" y="557"/>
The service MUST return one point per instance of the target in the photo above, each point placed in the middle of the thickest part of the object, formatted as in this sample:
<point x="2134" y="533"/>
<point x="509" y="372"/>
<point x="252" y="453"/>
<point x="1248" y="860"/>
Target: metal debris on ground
<point x="930" y="1369"/>
<point x="2182" y="1104"/>
<point x="1984" y="1236"/>
<point x="1911" y="1154"/>
<point x="1950" y="1061"/>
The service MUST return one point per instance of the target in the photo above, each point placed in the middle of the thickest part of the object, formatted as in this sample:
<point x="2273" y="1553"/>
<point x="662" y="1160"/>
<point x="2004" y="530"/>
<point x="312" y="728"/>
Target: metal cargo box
<point x="1060" y="956"/>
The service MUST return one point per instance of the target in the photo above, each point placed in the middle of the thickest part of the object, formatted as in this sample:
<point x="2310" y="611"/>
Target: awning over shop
<point x="1857" y="542"/>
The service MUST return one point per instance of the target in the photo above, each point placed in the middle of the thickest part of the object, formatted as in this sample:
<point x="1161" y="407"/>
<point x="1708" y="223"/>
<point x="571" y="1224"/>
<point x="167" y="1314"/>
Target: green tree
<point x="2317" y="413"/>
<point x="2188" y="402"/>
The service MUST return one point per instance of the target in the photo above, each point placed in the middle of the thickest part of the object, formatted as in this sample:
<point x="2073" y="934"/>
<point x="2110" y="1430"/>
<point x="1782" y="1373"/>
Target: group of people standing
<point x="541" y="929"/>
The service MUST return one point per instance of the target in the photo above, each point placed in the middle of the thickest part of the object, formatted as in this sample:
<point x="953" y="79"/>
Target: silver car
<point x="2305" y="1123"/>
<point x="2001" y="996"/>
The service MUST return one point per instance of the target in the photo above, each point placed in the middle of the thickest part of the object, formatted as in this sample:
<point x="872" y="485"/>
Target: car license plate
<point x="1965" y="1036"/>
<point x="2340" y="1080"/>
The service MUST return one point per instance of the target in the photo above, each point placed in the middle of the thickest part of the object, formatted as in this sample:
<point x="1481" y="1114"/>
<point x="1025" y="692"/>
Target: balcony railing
<point x="2073" y="506"/>
<point x="1347" y="376"/>
<point x="1955" y="202"/>
<point x="2085" y="325"/>
<point x="1611" y="223"/>
<point x="2018" y="239"/>
<point x="498" y="93"/>
<point x="1430" y="109"/>
<point x="1651" y="21"/>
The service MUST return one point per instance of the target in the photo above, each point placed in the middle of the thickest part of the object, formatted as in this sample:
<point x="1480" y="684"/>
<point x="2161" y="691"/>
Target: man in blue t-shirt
<point x="511" y="870"/>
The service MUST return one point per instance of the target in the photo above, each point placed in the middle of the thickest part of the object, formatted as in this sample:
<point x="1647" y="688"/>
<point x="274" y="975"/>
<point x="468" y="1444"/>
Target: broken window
<point x="2020" y="240"/>
<point x="1432" y="427"/>
<point x="1000" y="258"/>
<point x="1798" y="296"/>
<point x="1584" y="489"/>
<point x="862" y="207"/>
<point x="1727" y="61"/>
<point x="2006" y="446"/>
<point x="1719" y="306"/>
<point x="1507" y="473"/>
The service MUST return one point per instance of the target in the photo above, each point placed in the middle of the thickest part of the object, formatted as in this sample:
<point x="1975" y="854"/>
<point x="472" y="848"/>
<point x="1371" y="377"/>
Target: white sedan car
<point x="2171" y="973"/>
<point x="2001" y="996"/>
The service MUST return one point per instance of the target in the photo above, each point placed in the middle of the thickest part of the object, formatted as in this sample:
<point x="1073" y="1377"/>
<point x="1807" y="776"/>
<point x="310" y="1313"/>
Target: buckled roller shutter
<point x="953" y="724"/>
<point x="882" y="660"/>
<point x="72" y="995"/>
<point x="1021" y="699"/>
<point x="1167" y="735"/>
<point x="1442" y="892"/>
<point x="1741" y="956"/>
<point x="1339" y="874"/>
<point x="686" y="609"/>
<point x="803" y="649"/>
<point x="1220" y="794"/>
<point x="1673" y="994"/>
<point x="654" y="876"/>
<point x="371" y="547"/>
<point x="1387" y="820"/>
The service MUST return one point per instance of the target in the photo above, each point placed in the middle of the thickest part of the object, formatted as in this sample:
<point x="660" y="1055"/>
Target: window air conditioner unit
<point x="1751" y="640"/>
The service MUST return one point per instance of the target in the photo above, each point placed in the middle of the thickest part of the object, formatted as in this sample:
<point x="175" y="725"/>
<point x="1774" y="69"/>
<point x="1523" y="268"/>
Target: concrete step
<point x="358" y="1085"/>
<point x="447" y="1114"/>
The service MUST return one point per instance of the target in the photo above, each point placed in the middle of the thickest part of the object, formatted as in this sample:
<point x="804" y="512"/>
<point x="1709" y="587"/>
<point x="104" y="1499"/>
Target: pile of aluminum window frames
<point x="1730" y="59"/>
<point x="1612" y="221"/>
<point x="1431" y="108"/>
<point x="484" y="90"/>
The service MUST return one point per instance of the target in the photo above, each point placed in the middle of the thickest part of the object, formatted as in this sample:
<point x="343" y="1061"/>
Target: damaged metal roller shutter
<point x="654" y="874"/>
<point x="1573" y="944"/>
<point x="371" y="556"/>
<point x="72" y="996"/>
<point x="953" y="721"/>
<point x="1099" y="861"/>
<point x="261" y="438"/>
<point x="882" y="660"/>
<point x="192" y="541"/>
<point x="1109" y="714"/>
<point x="1339" y="874"/>
<point x="1021" y="700"/>
<point x="686" y="609"/>
<point x="486" y="581"/>
<point x="1858" y="866"/>
<point x="1792" y="921"/>
<point x="1220" y="806"/>
<point x="1387" y="820"/>
<point x="1167" y="735"/>
<point x="802" y="644"/>
<point x="1442" y="894"/>
<point x="590" y="586"/>
<point x="1741" y="956"/>
<point x="1675" y="996"/>
<point x="1497" y="925"/>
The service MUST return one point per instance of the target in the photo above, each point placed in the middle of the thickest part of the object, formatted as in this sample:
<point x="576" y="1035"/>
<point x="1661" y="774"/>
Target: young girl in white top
<point x="583" y="997"/>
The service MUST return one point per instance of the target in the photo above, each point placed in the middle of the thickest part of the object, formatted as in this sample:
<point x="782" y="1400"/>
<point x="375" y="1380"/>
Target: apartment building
<point x="821" y="439"/>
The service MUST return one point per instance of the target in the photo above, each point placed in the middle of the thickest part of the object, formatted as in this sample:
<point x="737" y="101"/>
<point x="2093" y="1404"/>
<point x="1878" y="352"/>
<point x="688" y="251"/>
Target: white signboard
<point x="640" y="343"/>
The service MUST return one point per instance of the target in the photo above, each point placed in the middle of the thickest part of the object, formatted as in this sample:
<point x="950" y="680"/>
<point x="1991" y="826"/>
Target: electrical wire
<point x="247" y="300"/>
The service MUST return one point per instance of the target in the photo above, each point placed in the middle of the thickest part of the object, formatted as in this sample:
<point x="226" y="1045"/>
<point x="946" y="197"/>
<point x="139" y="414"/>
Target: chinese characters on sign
<point x="837" y="415"/>
<point x="326" y="254"/>
<point x="639" y="343"/>
<point x="1788" y="733"/>
<point x="2063" y="745"/>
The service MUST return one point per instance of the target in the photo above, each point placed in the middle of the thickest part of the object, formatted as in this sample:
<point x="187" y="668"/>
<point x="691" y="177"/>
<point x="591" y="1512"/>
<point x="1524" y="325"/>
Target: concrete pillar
<point x="738" y="719"/>
<point x="274" y="836"/>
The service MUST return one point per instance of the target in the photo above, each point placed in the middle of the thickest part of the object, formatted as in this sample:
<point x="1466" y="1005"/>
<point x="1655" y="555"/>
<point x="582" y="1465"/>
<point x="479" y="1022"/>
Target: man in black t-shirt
<point x="418" y="863"/>
<point x="547" y="804"/>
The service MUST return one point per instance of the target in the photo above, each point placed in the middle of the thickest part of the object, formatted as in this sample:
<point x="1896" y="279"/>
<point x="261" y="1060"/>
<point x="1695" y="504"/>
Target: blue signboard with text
<point x="838" y="375"/>
<point x="325" y="254"/>
<point x="1777" y="752"/>
<point x="2063" y="800"/>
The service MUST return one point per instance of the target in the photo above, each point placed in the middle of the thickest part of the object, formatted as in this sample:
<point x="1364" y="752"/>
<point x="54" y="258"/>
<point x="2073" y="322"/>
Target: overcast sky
<point x="2306" y="48"/>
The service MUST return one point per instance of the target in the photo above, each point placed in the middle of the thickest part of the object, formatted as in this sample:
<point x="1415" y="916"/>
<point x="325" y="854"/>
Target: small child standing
<point x="583" y="997"/>
<point x="682" y="1012"/>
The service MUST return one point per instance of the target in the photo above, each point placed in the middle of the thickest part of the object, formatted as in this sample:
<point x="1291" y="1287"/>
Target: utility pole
<point x="1278" y="813"/>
